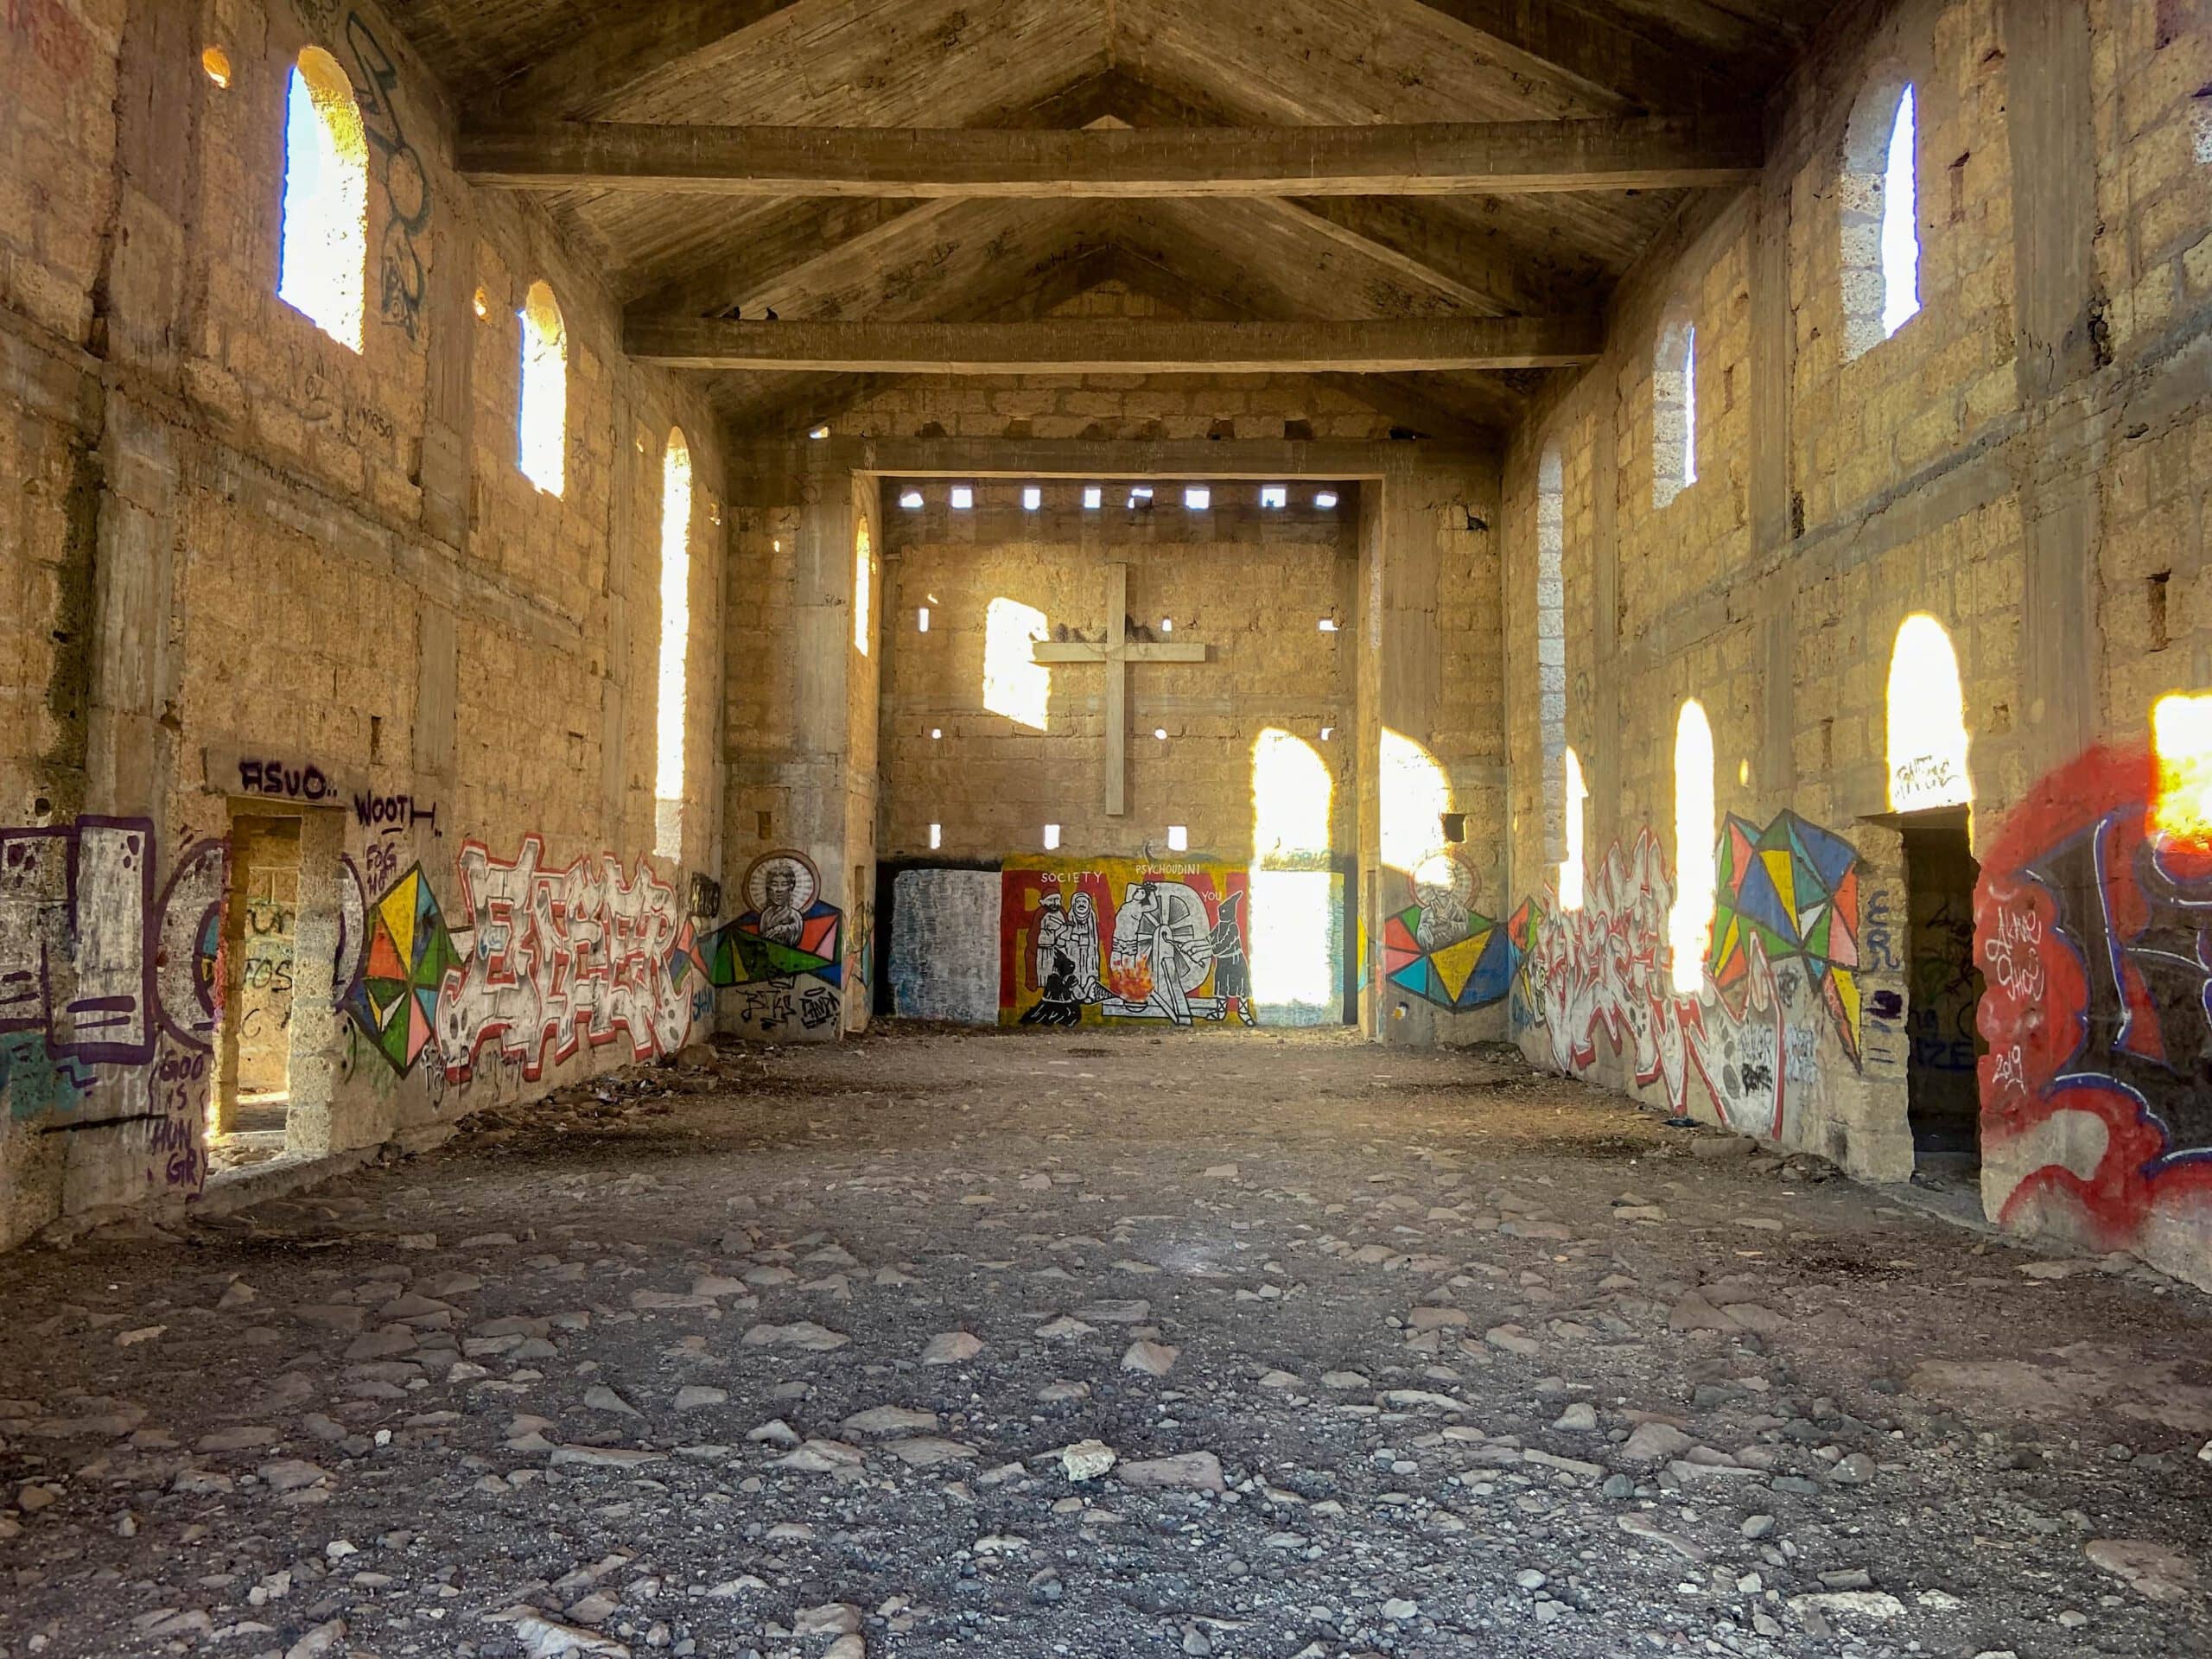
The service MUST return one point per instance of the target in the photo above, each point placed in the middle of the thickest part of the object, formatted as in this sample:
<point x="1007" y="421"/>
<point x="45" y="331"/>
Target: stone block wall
<point x="2013" y="462"/>
<point x="1253" y="586"/>
<point x="247" y="568"/>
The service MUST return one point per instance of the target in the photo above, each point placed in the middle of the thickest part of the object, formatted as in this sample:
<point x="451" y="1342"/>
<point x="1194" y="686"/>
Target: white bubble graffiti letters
<point x="560" y="957"/>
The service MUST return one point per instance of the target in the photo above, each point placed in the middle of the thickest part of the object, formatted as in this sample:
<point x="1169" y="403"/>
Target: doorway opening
<point x="260" y="939"/>
<point x="1943" y="1100"/>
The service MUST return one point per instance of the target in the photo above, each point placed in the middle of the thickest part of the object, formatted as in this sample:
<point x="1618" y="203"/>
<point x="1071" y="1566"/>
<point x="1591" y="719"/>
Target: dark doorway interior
<point x="259" y="928"/>
<point x="1943" y="1100"/>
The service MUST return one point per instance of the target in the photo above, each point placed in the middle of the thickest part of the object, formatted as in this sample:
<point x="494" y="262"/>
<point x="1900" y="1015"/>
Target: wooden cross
<point x="1117" y="653"/>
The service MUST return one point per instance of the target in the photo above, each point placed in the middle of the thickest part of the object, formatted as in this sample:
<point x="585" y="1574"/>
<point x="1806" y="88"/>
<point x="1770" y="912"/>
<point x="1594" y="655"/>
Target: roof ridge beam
<point x="1116" y="346"/>
<point x="1432" y="158"/>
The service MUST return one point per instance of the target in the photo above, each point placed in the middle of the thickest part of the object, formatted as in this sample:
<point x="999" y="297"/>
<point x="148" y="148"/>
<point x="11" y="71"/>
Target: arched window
<point x="544" y="423"/>
<point x="1689" y="923"/>
<point x="1551" y="643"/>
<point x="863" y="589"/>
<point x="1880" y="215"/>
<point x="675" y="643"/>
<point x="1673" y="408"/>
<point x="323" y="256"/>
<point x="1927" y="723"/>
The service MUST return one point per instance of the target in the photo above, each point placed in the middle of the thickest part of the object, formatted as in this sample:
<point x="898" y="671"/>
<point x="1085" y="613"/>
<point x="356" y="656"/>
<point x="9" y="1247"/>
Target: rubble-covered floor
<point x="1405" y="1354"/>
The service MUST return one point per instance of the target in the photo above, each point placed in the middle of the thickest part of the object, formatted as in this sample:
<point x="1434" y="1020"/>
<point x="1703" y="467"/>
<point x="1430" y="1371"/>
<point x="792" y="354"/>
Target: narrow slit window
<point x="922" y="620"/>
<point x="1551" y="645"/>
<point x="323" y="260"/>
<point x="1178" y="838"/>
<point x="936" y="838"/>
<point x="1093" y="497"/>
<point x="1031" y="498"/>
<point x="1879" y="215"/>
<point x="863" y="589"/>
<point x="1051" y="837"/>
<point x="675" y="644"/>
<point x="1673" y="408"/>
<point x="544" y="420"/>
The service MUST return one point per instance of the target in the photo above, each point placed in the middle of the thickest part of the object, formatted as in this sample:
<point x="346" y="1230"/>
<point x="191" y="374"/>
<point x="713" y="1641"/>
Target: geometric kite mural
<point x="404" y="959"/>
<point x="1794" y="888"/>
<point x="738" y="953"/>
<point x="1470" y="972"/>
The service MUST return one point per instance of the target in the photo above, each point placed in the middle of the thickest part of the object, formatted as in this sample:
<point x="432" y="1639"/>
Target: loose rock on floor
<point x="1096" y="1346"/>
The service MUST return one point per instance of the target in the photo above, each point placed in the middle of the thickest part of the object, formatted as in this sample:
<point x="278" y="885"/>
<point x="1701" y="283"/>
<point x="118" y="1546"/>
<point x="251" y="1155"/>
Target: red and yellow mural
<point x="1096" y="940"/>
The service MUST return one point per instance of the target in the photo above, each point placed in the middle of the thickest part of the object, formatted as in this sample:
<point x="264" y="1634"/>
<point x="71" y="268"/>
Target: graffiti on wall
<point x="944" y="945"/>
<point x="406" y="185"/>
<point x="1442" y="948"/>
<point x="784" y="956"/>
<point x="2094" y="932"/>
<point x="406" y="953"/>
<point x="555" y="959"/>
<point x="1084" y="942"/>
<point x="105" y="992"/>
<point x="1783" y="967"/>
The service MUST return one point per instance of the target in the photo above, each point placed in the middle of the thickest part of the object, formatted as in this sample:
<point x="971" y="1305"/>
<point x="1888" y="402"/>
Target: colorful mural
<point x="784" y="956"/>
<point x="1443" y="949"/>
<point x="1086" y="942"/>
<point x="2093" y="929"/>
<point x="406" y="957"/>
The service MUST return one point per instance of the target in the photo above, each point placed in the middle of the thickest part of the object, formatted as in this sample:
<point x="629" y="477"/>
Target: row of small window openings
<point x="937" y="733"/>
<point x="1197" y="497"/>
<point x="1178" y="837"/>
<point x="1328" y="624"/>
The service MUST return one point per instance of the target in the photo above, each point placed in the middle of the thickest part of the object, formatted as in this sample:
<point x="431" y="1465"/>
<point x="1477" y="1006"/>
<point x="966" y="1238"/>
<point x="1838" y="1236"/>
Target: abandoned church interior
<point x="1298" y="830"/>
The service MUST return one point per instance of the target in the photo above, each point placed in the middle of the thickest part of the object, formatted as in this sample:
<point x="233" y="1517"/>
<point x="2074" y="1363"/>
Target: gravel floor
<point x="786" y="1353"/>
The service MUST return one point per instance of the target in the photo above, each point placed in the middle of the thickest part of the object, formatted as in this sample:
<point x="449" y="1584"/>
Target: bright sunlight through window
<point x="1689" y="923"/>
<point x="863" y="588"/>
<point x="1015" y="684"/>
<point x="1926" y="720"/>
<point x="1900" y="223"/>
<point x="2181" y="737"/>
<point x="544" y="421"/>
<point x="675" y="643"/>
<point x="1570" y="868"/>
<point x="1293" y="917"/>
<point x="324" y="259"/>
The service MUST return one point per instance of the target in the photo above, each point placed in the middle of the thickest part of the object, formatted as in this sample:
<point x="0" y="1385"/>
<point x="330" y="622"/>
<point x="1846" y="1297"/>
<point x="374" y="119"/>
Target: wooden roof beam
<point x="1488" y="158"/>
<point x="1114" y="345"/>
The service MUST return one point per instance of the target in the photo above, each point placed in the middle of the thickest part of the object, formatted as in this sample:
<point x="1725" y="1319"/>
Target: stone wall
<point x="992" y="747"/>
<point x="2013" y="462"/>
<point x="248" y="565"/>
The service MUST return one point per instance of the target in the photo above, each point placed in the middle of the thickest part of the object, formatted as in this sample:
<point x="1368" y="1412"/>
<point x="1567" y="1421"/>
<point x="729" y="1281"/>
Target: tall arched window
<point x="1551" y="643"/>
<point x="1673" y="408"/>
<point x="323" y="256"/>
<point x="544" y="423"/>
<point x="1689" y="923"/>
<point x="1880" y="215"/>
<point x="863" y="588"/>
<point x="675" y="643"/>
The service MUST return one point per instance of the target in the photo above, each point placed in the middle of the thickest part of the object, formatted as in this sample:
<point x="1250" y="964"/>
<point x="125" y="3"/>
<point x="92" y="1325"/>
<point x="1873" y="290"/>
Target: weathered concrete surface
<point x="1400" y="1353"/>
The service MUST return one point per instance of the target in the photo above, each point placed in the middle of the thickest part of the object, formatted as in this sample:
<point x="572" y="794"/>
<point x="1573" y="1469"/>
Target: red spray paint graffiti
<point x="2095" y="937"/>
